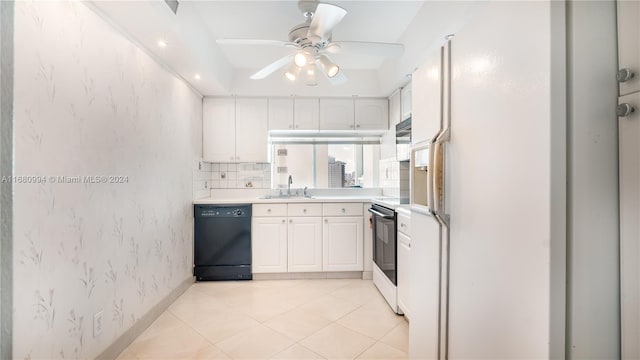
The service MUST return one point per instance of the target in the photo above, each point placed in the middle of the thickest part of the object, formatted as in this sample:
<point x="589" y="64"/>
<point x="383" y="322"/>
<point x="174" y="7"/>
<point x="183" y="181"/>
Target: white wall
<point x="89" y="102"/>
<point x="6" y="169"/>
<point x="593" y="222"/>
<point x="500" y="184"/>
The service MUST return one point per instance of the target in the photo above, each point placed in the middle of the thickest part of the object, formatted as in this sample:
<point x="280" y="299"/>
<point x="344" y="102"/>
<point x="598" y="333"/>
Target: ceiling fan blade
<point x="365" y="48"/>
<point x="253" y="42"/>
<point x="271" y="68"/>
<point x="325" y="18"/>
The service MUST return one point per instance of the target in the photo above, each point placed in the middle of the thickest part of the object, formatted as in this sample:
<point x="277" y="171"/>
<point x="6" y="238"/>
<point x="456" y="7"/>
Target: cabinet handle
<point x="290" y="221"/>
<point x="326" y="220"/>
<point x="231" y="158"/>
<point x="350" y="126"/>
<point x="358" y="125"/>
<point x="297" y="126"/>
<point x="237" y="157"/>
<point x="290" y="126"/>
<point x="268" y="210"/>
<point x="625" y="110"/>
<point x="283" y="221"/>
<point x="624" y="75"/>
<point x="344" y="210"/>
<point x="401" y="224"/>
<point x="304" y="210"/>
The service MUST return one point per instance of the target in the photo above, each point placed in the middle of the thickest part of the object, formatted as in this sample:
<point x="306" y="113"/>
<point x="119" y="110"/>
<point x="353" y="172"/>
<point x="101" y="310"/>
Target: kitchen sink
<point x="286" y="196"/>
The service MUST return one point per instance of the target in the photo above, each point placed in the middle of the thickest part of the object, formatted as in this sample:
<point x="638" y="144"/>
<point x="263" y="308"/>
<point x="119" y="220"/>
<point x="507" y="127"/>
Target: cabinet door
<point x="395" y="109"/>
<point x="425" y="83"/>
<point x="269" y="245"/>
<point x="305" y="244"/>
<point x="219" y="129"/>
<point x="371" y="114"/>
<point x="629" y="44"/>
<point x="280" y="114"/>
<point x="629" y="175"/>
<point x="406" y="102"/>
<point x="402" y="267"/>
<point x="306" y="114"/>
<point x="336" y="114"/>
<point x="342" y="244"/>
<point x="251" y="130"/>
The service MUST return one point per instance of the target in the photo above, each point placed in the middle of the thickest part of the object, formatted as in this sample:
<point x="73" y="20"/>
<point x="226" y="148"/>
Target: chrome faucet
<point x="305" y="191"/>
<point x="289" y="185"/>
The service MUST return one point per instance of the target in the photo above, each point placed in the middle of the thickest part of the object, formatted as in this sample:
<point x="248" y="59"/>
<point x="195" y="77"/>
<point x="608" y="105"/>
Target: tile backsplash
<point x="394" y="178"/>
<point x="208" y="176"/>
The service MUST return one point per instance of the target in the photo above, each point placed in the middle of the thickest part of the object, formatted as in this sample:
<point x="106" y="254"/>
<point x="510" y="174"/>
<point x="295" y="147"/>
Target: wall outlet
<point x="98" y="323"/>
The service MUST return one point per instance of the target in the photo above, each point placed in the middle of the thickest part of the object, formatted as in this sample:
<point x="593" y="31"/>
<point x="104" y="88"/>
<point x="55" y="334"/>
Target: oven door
<point x="384" y="241"/>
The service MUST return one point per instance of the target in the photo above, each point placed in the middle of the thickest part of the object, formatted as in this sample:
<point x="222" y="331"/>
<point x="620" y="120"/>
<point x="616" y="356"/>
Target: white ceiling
<point x="192" y="49"/>
<point x="377" y="21"/>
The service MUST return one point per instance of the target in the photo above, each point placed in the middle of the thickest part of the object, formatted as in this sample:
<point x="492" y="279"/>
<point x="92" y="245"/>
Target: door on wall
<point x="629" y="151"/>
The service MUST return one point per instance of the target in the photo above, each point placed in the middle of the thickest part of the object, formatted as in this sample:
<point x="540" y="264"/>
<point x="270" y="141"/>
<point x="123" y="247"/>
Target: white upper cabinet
<point x="395" y="109"/>
<point x="405" y="102"/>
<point x="306" y="114"/>
<point x="235" y="130"/>
<point x="336" y="114"/>
<point x="218" y="129"/>
<point x="371" y="114"/>
<point x="281" y="114"/>
<point x="629" y="46"/>
<point x="251" y="130"/>
<point x="425" y="83"/>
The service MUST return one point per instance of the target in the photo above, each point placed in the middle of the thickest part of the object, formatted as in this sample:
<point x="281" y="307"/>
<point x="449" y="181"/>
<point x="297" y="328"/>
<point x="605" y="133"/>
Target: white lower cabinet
<point x="342" y="241"/>
<point x="305" y="244"/>
<point x="402" y="268"/>
<point x="307" y="237"/>
<point x="269" y="244"/>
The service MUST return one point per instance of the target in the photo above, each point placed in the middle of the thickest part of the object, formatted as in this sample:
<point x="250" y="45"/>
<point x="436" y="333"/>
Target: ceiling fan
<point x="311" y="43"/>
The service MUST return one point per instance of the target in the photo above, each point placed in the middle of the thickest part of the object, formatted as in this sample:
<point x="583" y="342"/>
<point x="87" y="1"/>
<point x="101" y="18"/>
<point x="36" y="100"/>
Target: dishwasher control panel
<point x="208" y="211"/>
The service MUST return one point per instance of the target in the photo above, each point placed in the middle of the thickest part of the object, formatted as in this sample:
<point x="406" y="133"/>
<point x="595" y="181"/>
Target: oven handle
<point x="377" y="213"/>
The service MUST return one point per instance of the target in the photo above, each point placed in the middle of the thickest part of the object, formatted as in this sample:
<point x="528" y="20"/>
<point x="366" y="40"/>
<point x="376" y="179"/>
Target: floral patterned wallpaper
<point x="90" y="103"/>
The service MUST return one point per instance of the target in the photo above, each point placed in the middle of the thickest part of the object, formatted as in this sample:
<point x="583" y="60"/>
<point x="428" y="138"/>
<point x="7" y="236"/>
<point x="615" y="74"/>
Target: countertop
<point x="319" y="199"/>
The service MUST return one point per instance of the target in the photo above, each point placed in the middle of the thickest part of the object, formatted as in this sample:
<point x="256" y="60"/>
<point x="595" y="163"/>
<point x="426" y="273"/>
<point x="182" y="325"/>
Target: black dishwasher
<point x="222" y="242"/>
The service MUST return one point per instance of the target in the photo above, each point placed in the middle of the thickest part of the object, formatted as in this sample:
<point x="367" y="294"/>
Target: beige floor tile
<point x="326" y="285"/>
<point x="256" y="342"/>
<point x="297" y="352"/>
<point x="360" y="293"/>
<point x="398" y="337"/>
<point x="337" y="342"/>
<point x="297" y="324"/>
<point x="374" y="320"/>
<point x="166" y="322"/>
<point x="169" y="342"/>
<point x="382" y="351"/>
<point x="224" y="324"/>
<point x="211" y="352"/>
<point x="329" y="307"/>
<point x="126" y="355"/>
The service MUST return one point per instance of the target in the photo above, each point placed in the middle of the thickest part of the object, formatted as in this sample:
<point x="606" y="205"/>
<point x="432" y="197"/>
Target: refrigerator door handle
<point x="430" y="193"/>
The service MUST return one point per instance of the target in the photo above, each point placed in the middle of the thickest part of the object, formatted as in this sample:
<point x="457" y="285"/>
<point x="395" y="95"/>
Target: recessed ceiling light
<point x="196" y="76"/>
<point x="162" y="43"/>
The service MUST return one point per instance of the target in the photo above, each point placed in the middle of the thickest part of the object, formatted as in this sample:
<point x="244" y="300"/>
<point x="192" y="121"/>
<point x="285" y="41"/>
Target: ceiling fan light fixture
<point x="292" y="72"/>
<point x="328" y="66"/>
<point x="310" y="72"/>
<point x="300" y="59"/>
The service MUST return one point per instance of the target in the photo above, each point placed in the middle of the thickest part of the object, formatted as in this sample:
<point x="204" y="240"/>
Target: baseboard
<point x="309" y="275"/>
<point x="121" y="343"/>
<point x="367" y="275"/>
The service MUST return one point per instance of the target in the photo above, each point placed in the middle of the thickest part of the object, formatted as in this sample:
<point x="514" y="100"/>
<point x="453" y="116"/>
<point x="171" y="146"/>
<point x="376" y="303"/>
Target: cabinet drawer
<point x="269" y="209"/>
<point x="342" y="209"/>
<point x="305" y="210"/>
<point x="404" y="224"/>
